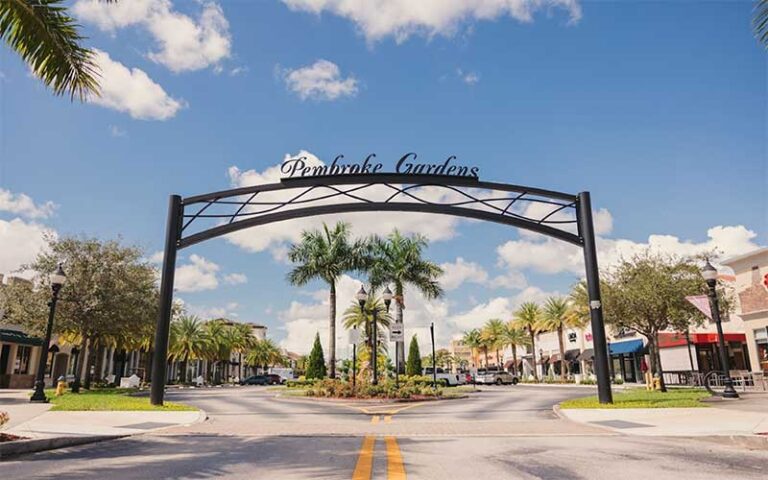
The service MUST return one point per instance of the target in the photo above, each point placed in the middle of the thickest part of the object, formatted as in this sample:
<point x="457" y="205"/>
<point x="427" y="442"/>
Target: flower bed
<point x="411" y="388"/>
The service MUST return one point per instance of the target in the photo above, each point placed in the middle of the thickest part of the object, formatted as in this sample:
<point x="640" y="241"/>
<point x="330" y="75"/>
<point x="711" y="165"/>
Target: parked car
<point x="274" y="379"/>
<point x="497" y="377"/>
<point x="444" y="378"/>
<point x="256" y="380"/>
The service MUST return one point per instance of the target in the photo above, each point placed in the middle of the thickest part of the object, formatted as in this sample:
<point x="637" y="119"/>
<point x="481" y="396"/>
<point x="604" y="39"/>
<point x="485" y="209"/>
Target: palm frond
<point x="760" y="21"/>
<point x="48" y="39"/>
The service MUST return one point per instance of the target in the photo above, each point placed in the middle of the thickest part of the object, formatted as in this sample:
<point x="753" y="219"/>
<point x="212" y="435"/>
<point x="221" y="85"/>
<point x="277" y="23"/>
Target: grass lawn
<point x="107" y="399"/>
<point x="641" y="398"/>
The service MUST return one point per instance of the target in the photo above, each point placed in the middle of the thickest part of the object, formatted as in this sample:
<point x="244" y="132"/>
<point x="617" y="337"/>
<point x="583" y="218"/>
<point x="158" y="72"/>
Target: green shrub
<point x="587" y="381"/>
<point x="300" y="383"/>
<point x="618" y="381"/>
<point x="316" y="367"/>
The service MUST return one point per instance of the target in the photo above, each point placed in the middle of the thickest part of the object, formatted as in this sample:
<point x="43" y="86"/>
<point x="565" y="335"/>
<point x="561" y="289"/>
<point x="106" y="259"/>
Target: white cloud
<point x="156" y="257"/>
<point x="460" y="271"/>
<point x="551" y="256"/>
<point x="512" y="280"/>
<point x="235" y="278"/>
<point x="228" y="310"/>
<point x="198" y="275"/>
<point x="402" y="18"/>
<point x="21" y="242"/>
<point x="275" y="236"/>
<point x="23" y="205"/>
<point x="470" y="78"/>
<point x="116" y="131"/>
<point x="320" y="81"/>
<point x="131" y="90"/>
<point x="183" y="43"/>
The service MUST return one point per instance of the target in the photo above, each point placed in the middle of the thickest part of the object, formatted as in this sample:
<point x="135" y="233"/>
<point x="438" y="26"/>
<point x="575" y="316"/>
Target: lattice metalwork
<point x="549" y="212"/>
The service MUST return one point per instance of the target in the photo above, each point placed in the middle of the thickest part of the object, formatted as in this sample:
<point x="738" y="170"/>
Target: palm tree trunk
<point x="184" y="369"/>
<point x="533" y="354"/>
<point x="562" y="352"/>
<point x="332" y="340"/>
<point x="514" y="359"/>
<point x="485" y="351"/>
<point x="498" y="361"/>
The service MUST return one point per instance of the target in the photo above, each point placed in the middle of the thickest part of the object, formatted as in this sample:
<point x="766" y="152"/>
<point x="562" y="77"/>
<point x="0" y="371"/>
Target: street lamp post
<point x="354" y="361"/>
<point x="387" y="294"/>
<point x="710" y="276"/>
<point x="57" y="281"/>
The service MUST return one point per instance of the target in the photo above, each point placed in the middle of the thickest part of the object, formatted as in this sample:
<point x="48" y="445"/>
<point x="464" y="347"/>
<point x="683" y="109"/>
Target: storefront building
<point x="19" y="354"/>
<point x="751" y="272"/>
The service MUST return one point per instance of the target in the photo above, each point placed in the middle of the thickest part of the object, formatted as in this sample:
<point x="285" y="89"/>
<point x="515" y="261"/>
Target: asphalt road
<point x="502" y="433"/>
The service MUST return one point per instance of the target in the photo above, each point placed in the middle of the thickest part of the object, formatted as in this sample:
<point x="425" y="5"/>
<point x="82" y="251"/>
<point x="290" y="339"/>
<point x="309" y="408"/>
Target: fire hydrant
<point x="656" y="382"/>
<point x="61" y="386"/>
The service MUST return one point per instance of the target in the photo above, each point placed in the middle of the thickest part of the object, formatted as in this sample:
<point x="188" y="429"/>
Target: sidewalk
<point x="748" y="417"/>
<point x="45" y="430"/>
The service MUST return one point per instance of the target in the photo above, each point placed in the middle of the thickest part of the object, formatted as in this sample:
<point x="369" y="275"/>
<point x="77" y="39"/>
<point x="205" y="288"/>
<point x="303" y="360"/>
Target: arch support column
<point x="587" y="234"/>
<point x="159" y="365"/>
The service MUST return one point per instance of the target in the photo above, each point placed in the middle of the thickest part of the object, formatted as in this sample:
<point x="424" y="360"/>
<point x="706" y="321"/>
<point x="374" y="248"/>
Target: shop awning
<point x="16" y="336"/>
<point x="586" y="355"/>
<point x="623" y="348"/>
<point x="571" y="355"/>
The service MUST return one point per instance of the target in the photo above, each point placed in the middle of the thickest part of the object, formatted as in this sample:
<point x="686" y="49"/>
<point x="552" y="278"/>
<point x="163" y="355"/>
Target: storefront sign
<point x="407" y="165"/>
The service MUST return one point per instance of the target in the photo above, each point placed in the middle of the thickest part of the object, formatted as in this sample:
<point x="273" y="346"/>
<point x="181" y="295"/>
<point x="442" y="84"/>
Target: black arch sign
<point x="195" y="219"/>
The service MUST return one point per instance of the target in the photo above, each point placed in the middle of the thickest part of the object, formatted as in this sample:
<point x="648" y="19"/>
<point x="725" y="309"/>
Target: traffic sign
<point x="354" y="336"/>
<point x="396" y="333"/>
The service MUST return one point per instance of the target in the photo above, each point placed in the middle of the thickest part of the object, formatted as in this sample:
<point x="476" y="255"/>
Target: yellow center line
<point x="375" y="419"/>
<point x="395" y="466"/>
<point x="364" y="466"/>
<point x="388" y="419"/>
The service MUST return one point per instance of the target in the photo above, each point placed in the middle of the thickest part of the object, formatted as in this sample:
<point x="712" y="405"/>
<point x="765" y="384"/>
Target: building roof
<point x="746" y="256"/>
<point x="17" y="336"/>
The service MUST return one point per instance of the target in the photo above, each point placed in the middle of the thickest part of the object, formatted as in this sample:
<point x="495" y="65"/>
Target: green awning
<point x="15" y="336"/>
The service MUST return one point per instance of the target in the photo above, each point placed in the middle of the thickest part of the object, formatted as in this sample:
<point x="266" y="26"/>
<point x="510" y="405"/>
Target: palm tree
<point x="527" y="317"/>
<point x="513" y="337"/>
<point x="48" y="40"/>
<point x="555" y="317"/>
<point x="325" y="254"/>
<point x="263" y="353"/>
<point x="492" y="333"/>
<point x="219" y="347"/>
<point x="473" y="340"/>
<point x="760" y="21"/>
<point x="355" y="317"/>
<point x="399" y="260"/>
<point x="187" y="340"/>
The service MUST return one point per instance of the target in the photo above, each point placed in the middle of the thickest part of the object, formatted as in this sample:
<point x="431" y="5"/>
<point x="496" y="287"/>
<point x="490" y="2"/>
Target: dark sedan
<point x="256" y="380"/>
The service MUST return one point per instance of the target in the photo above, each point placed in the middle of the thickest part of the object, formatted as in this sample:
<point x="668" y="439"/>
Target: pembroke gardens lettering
<point x="407" y="165"/>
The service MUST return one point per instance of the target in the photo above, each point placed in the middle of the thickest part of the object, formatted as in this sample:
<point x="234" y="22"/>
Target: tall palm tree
<point x="187" y="341"/>
<point x="527" y="317"/>
<point x="219" y="348"/>
<point x="555" y="318"/>
<point x="492" y="333"/>
<point x="514" y="337"/>
<point x="399" y="260"/>
<point x="473" y="340"/>
<point x="263" y="353"/>
<point x="49" y="41"/>
<point x="325" y="255"/>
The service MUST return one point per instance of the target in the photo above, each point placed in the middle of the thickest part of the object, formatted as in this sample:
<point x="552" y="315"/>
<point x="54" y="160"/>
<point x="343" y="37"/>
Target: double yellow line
<point x="364" y="467"/>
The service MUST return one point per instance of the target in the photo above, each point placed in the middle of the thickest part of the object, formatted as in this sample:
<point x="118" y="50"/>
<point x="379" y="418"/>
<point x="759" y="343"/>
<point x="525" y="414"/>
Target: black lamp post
<point x="362" y="298"/>
<point x="57" y="280"/>
<point x="387" y="295"/>
<point x="710" y="276"/>
<point x="354" y="359"/>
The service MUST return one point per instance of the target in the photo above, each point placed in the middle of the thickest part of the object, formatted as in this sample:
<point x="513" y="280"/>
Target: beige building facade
<point x="751" y="271"/>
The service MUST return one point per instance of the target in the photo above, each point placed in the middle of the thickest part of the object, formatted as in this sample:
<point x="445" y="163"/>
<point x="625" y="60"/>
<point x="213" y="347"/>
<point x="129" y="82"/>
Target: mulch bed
<point x="6" y="437"/>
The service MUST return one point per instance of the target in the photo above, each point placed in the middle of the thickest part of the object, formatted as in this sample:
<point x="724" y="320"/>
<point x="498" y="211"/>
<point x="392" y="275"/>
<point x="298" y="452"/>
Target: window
<point x="23" y="353"/>
<point x="761" y="341"/>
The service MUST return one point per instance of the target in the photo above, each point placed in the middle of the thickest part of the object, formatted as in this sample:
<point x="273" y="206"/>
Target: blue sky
<point x="657" y="108"/>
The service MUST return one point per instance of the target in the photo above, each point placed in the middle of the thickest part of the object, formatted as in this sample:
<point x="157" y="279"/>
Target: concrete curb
<point x="19" y="447"/>
<point x="33" y="445"/>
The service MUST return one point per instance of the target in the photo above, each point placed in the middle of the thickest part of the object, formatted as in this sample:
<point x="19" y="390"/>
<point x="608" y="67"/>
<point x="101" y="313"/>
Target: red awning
<point x="675" y="339"/>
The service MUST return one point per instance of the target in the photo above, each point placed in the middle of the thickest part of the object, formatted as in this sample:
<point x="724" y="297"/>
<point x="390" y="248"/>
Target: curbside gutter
<point x="34" y="445"/>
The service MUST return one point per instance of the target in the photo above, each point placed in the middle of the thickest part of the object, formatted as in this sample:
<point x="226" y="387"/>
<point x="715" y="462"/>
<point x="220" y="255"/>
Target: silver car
<point x="496" y="377"/>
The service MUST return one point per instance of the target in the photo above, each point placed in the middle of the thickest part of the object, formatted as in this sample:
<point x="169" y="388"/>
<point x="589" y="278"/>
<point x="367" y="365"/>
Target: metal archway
<point x="195" y="219"/>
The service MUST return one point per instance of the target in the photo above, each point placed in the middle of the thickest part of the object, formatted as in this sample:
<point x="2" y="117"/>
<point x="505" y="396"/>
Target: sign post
<point x="396" y="334"/>
<point x="354" y="338"/>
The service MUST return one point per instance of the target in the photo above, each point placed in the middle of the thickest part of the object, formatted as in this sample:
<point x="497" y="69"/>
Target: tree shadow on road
<point x="197" y="456"/>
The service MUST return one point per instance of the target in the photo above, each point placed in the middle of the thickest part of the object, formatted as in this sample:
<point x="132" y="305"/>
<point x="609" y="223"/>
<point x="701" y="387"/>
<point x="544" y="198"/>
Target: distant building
<point x="463" y="352"/>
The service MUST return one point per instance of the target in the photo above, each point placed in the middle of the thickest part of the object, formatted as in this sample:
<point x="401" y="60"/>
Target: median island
<point x="415" y="388"/>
